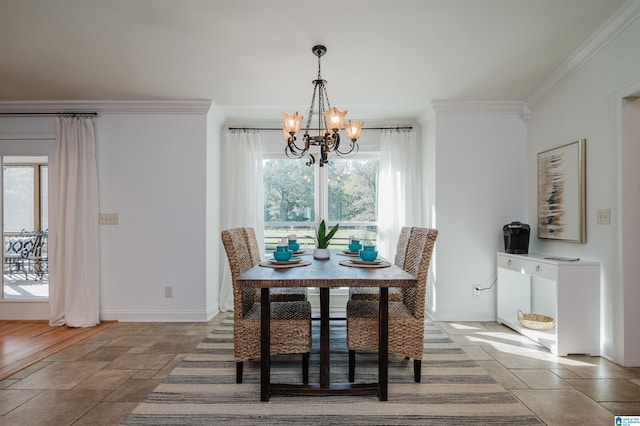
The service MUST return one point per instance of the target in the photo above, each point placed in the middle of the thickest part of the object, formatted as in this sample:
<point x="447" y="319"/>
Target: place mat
<point x="285" y="265"/>
<point x="348" y="262"/>
<point x="300" y="253"/>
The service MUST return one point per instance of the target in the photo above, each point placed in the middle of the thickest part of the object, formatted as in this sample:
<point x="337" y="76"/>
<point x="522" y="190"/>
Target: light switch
<point x="604" y="216"/>
<point x="108" y="218"/>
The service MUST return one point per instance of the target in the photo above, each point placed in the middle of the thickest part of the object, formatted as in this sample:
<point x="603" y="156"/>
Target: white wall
<point x="152" y="170"/>
<point x="480" y="155"/>
<point x="587" y="104"/>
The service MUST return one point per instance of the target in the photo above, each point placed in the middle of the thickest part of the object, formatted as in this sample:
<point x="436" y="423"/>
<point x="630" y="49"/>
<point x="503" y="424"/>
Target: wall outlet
<point x="108" y="218"/>
<point x="168" y="292"/>
<point x="604" y="216"/>
<point x="476" y="291"/>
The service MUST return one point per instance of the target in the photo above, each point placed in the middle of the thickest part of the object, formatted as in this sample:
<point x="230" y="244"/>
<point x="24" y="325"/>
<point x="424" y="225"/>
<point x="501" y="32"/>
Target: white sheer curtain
<point x="242" y="194"/>
<point x="74" y="240"/>
<point x="399" y="193"/>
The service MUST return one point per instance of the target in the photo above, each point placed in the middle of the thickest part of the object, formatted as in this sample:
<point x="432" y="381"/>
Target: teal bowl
<point x="282" y="256"/>
<point x="368" y="255"/>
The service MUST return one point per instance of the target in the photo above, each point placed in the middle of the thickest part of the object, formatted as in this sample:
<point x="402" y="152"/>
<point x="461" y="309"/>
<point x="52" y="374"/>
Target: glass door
<point x="25" y="227"/>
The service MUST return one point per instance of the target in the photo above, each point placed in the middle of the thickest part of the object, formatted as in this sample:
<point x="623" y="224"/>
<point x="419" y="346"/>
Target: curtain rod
<point x="41" y="114"/>
<point x="364" y="128"/>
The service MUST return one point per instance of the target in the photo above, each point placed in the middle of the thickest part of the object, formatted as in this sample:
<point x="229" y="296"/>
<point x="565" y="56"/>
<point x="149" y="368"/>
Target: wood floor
<point x="23" y="343"/>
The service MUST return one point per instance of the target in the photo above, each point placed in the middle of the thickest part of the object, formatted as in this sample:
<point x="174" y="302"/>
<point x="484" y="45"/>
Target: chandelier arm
<point x="311" y="160"/>
<point x="294" y="148"/>
<point x="289" y="152"/>
<point x="336" y="141"/>
<point x="352" y="151"/>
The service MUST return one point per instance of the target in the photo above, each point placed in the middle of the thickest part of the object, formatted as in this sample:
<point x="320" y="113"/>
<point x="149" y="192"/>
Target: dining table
<point x="339" y="270"/>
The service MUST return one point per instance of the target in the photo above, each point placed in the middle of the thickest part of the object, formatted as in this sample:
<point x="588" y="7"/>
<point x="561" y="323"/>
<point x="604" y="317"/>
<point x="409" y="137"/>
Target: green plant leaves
<point x="322" y="238"/>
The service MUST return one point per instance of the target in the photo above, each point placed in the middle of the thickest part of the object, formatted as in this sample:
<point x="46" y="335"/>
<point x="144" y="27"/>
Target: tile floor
<point x="101" y="379"/>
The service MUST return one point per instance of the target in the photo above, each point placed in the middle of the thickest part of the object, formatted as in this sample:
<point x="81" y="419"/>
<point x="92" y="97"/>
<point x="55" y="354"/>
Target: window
<point x="297" y="197"/>
<point x="25" y="222"/>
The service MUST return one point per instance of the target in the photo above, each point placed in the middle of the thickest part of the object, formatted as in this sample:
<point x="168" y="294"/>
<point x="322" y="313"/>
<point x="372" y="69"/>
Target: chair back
<point x="417" y="261"/>
<point x="235" y="245"/>
<point x="252" y="243"/>
<point x="401" y="248"/>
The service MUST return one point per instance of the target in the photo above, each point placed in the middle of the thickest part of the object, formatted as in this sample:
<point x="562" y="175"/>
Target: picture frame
<point x="561" y="193"/>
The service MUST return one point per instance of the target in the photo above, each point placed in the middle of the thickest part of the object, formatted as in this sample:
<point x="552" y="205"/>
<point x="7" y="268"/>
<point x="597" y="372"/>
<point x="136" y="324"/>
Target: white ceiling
<point x="252" y="58"/>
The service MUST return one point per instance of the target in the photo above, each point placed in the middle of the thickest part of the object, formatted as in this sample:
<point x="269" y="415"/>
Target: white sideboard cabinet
<point x="568" y="291"/>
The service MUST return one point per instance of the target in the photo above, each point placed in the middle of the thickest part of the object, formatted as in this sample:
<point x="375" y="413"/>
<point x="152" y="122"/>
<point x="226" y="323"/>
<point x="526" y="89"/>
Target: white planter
<point x="321" y="254"/>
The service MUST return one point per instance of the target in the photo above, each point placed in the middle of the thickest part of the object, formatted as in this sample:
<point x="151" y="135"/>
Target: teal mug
<point x="293" y="245"/>
<point x="355" y="246"/>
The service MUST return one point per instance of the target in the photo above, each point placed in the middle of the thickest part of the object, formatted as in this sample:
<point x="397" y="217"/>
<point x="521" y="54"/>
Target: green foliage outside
<point x="288" y="191"/>
<point x="353" y="190"/>
<point x="289" y="197"/>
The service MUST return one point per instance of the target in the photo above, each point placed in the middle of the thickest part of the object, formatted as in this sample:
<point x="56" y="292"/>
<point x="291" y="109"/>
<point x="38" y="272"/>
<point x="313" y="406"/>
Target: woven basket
<point x="536" y="321"/>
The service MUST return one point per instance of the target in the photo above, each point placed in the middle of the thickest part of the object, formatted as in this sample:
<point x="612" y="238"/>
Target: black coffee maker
<point x="516" y="238"/>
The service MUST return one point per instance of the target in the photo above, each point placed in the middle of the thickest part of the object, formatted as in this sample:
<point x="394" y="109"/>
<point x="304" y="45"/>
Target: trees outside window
<point x="297" y="197"/>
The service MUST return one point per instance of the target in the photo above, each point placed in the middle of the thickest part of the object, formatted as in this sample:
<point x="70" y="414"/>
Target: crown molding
<point x="623" y="17"/>
<point x="442" y="107"/>
<point x="108" y="107"/>
<point x="27" y="136"/>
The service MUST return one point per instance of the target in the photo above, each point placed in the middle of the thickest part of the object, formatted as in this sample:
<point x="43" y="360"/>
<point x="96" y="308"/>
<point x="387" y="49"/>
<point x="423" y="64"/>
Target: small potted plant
<point x="322" y="239"/>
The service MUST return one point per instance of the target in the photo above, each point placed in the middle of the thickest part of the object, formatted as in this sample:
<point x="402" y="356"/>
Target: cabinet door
<point x="514" y="293"/>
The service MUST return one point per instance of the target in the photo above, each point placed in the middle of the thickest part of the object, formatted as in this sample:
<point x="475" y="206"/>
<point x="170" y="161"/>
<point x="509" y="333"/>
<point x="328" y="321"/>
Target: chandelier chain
<point x="311" y="108"/>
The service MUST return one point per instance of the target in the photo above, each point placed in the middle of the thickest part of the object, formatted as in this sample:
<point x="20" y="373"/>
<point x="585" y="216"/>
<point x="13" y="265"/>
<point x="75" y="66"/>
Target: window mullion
<point x="36" y="197"/>
<point x="322" y="194"/>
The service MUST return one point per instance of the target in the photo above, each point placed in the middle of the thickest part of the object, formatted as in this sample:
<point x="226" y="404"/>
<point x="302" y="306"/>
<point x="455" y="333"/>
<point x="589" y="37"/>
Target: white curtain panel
<point x="399" y="189"/>
<point x="74" y="240"/>
<point x="242" y="194"/>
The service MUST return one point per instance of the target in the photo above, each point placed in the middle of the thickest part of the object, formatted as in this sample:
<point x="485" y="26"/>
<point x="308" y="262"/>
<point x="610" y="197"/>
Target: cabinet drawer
<point x="510" y="263"/>
<point x="540" y="269"/>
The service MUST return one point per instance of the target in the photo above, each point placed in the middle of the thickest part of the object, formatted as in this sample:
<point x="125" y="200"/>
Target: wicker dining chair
<point x="283" y="294"/>
<point x="290" y="321"/>
<point x="406" y="318"/>
<point x="395" y="293"/>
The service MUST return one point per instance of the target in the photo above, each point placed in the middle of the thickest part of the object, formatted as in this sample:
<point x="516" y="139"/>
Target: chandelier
<point x="330" y="122"/>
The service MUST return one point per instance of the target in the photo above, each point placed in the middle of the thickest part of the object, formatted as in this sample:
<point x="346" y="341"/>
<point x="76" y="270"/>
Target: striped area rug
<point x="454" y="390"/>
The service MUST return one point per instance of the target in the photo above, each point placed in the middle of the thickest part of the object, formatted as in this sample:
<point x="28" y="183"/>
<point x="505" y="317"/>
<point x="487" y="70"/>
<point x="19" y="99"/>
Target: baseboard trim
<point x="155" y="316"/>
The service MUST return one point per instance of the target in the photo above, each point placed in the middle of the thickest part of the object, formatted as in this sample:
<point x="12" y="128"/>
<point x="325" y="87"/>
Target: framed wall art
<point x="561" y="193"/>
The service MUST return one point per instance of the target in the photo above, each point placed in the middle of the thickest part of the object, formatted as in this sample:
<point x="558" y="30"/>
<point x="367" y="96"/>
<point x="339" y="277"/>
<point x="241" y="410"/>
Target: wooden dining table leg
<point x="325" y="374"/>
<point x="383" y="343"/>
<point x="265" y="344"/>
